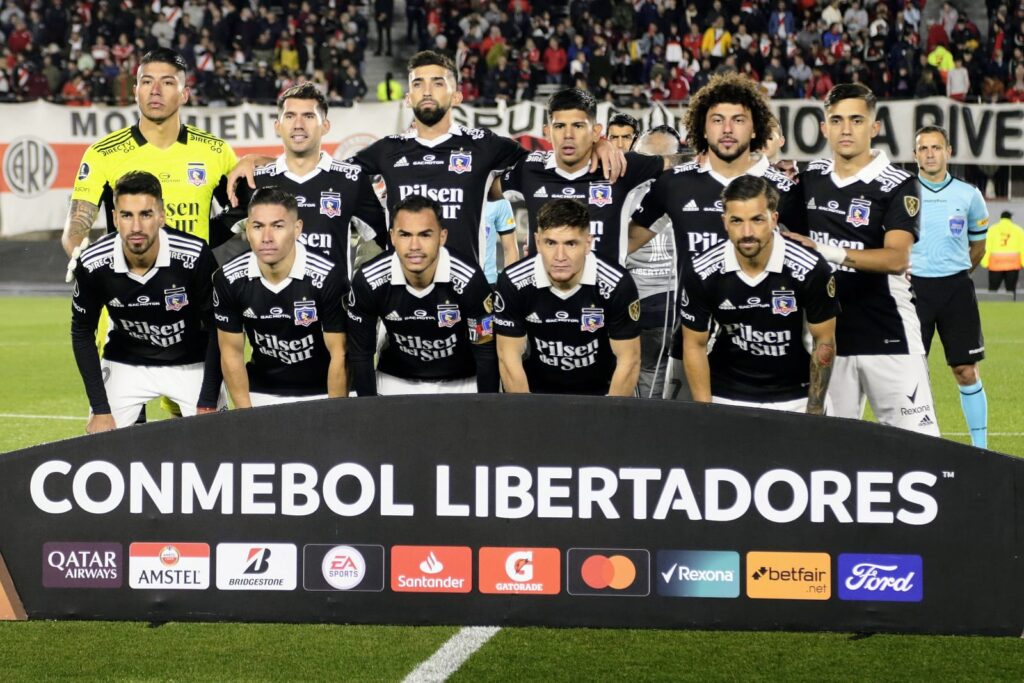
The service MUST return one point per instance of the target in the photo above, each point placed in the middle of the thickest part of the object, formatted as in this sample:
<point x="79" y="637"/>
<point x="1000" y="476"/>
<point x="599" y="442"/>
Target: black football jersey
<point x="441" y="332"/>
<point x="158" y="319"/>
<point x="537" y="179"/>
<point x="567" y="349"/>
<point x="456" y="170"/>
<point x="333" y="198"/>
<point x="758" y="353"/>
<point x="284" y="323"/>
<point x="877" y="310"/>
<point x="691" y="196"/>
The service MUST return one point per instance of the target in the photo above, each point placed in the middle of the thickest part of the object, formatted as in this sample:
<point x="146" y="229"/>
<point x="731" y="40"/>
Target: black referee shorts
<point x="950" y="305"/>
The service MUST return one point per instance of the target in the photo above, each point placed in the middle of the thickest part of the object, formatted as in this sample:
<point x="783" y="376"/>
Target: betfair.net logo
<point x="789" y="576"/>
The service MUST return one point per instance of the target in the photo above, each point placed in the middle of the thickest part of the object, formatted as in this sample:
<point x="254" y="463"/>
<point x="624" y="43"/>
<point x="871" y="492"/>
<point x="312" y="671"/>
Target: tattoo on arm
<point x="81" y="216"/>
<point x="821" y="372"/>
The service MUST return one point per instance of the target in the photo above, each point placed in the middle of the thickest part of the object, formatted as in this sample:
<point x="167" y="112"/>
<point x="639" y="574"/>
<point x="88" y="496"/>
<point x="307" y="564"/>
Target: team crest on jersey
<point x="859" y="213"/>
<point x="196" y="173"/>
<point x="783" y="302"/>
<point x="83" y="171"/>
<point x="912" y="205"/>
<point x="600" y="194"/>
<point x="330" y="204"/>
<point x="305" y="313"/>
<point x="591" y="319"/>
<point x="957" y="225"/>
<point x="175" y="299"/>
<point x="460" y="162"/>
<point x="448" y="315"/>
<point x="634" y="311"/>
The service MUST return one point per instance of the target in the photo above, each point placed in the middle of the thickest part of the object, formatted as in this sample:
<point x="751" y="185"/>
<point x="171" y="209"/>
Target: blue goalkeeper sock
<point x="975" y="407"/>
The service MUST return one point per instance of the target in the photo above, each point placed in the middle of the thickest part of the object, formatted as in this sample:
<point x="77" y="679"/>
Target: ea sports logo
<point x="343" y="567"/>
<point x="30" y="166"/>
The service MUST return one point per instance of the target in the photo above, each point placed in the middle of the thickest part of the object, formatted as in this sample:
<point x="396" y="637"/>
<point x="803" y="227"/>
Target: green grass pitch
<point x="38" y="379"/>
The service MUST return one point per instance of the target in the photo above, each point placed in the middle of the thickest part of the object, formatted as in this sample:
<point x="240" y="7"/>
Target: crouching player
<point x="436" y="310"/>
<point x="155" y="282"/>
<point x="760" y="289"/>
<point x="288" y="301"/>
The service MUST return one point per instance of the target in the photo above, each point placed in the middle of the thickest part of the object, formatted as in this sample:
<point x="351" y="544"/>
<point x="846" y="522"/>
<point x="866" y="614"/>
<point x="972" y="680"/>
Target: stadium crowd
<point x="628" y="51"/>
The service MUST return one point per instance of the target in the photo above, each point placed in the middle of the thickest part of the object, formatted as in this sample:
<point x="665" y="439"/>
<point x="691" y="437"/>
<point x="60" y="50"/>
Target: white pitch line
<point x="453" y="654"/>
<point x="19" y="416"/>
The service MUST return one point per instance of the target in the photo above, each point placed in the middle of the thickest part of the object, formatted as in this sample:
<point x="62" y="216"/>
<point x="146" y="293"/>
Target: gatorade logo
<point x="520" y="571"/>
<point x="789" y="576"/>
<point x="608" y="571"/>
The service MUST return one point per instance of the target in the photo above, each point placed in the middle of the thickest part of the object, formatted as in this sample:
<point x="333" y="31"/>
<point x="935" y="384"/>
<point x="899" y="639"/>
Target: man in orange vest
<point x="1004" y="253"/>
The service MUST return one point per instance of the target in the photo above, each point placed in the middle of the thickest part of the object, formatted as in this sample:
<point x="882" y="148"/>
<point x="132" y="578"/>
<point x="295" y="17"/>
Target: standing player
<point x="287" y="300"/>
<point x="954" y="223"/>
<point x="575" y="312"/>
<point x="436" y="310"/>
<point x="565" y="172"/>
<point x="192" y="165"/>
<point x="728" y="122"/>
<point x="449" y="163"/>
<point x="331" y="195"/>
<point x="862" y="215"/>
<point x="623" y="131"/>
<point x="155" y="281"/>
<point x="653" y="269"/>
<point x="761" y="290"/>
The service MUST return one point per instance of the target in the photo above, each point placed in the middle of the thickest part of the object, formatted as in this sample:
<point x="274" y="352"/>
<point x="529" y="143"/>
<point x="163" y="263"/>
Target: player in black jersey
<point x="862" y="214"/>
<point x="565" y="172"/>
<point x="761" y="290"/>
<point x="331" y="195"/>
<point x="436" y="310"/>
<point x="155" y="281"/>
<point x="287" y="300"/>
<point x="727" y="124"/>
<point x="572" y="313"/>
<point x="449" y="163"/>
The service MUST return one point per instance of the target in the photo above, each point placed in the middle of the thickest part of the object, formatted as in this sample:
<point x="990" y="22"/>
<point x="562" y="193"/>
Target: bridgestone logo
<point x="256" y="582"/>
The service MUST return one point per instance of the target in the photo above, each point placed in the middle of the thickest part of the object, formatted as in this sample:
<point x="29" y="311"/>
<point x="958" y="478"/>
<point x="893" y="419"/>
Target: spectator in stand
<point x="958" y="81"/>
<point x="693" y="41"/>
<point x="1016" y="90"/>
<point x="948" y="16"/>
<point x="384" y="13"/>
<point x="286" y="57"/>
<point x="678" y="86"/>
<point x="780" y="21"/>
<point x="819" y="85"/>
<point x="352" y="87"/>
<point x="555" y="61"/>
<point x="717" y="41"/>
<point x="76" y="91"/>
<point x="941" y="59"/>
<point x="832" y="14"/>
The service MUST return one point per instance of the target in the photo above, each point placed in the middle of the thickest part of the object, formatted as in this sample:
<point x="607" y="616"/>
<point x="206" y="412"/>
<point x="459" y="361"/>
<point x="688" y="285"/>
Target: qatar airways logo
<point x="887" y="578"/>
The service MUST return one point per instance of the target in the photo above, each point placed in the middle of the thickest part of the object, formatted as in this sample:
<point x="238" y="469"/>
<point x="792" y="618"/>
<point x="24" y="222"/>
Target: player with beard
<point x="761" y="290"/>
<point x="728" y="122"/>
<point x="439" y="159"/>
<point x="565" y="172"/>
<point x="862" y="215"/>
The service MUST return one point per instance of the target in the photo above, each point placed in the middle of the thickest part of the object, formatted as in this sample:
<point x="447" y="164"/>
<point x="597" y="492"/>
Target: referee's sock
<point x="975" y="407"/>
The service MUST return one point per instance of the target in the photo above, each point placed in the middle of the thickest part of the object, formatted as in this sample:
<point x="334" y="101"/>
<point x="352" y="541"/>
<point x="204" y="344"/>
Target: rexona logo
<point x="83" y="565"/>
<point x="431" y="569"/>
<point x="526" y="571"/>
<point x="343" y="567"/>
<point x="885" y="578"/>
<point x="698" y="573"/>
<point x="185" y="566"/>
<point x="256" y="566"/>
<point x="789" y="576"/>
<point x="608" y="571"/>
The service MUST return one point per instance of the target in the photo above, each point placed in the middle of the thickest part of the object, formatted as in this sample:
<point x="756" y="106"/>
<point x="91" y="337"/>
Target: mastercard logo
<point x="617" y="571"/>
<point x="608" y="571"/>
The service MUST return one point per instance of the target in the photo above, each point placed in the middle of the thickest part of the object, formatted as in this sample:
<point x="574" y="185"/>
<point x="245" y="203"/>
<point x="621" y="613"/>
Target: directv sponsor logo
<point x="153" y="566"/>
<point x="83" y="565"/>
<point x="698" y="573"/>
<point x="256" y="566"/>
<point x="883" y="578"/>
<point x="329" y="567"/>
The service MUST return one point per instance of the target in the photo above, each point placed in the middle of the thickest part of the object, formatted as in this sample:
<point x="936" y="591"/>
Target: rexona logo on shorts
<point x="257" y="566"/>
<point x="521" y="571"/>
<point x="698" y="573"/>
<point x="431" y="569"/>
<point x="789" y="576"/>
<point x="83" y="565"/>
<point x="185" y="566"/>
<point x="885" y="578"/>
<point x="353" y="567"/>
<point x="608" y="571"/>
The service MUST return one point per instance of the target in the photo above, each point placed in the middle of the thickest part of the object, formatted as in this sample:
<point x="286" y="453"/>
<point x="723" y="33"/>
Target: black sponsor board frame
<point x="960" y="509"/>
